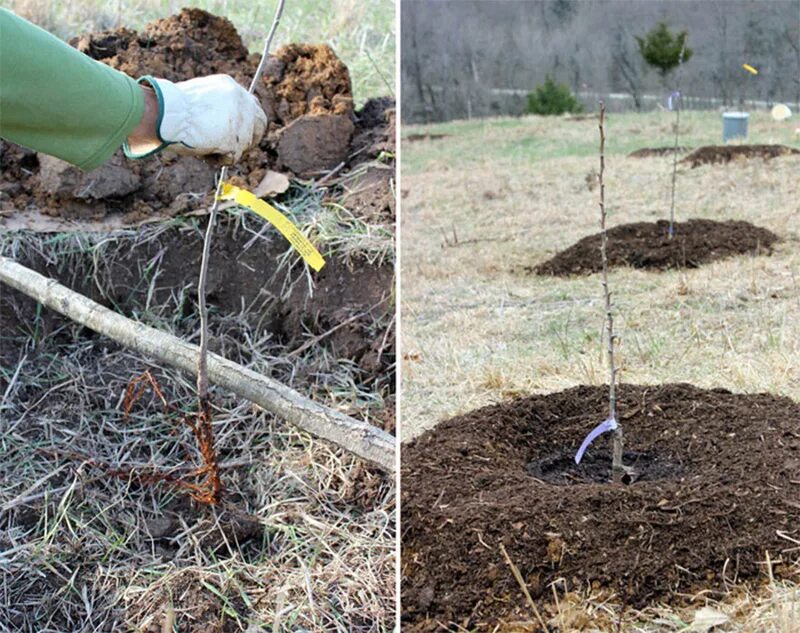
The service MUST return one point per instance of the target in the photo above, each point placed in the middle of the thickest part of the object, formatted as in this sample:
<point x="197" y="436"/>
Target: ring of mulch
<point x="716" y="154"/>
<point x="648" y="152"/>
<point x="717" y="483"/>
<point x="412" y="138"/>
<point x="647" y="245"/>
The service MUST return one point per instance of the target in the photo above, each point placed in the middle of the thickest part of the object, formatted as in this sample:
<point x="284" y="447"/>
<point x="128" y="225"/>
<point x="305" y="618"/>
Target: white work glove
<point x="205" y="116"/>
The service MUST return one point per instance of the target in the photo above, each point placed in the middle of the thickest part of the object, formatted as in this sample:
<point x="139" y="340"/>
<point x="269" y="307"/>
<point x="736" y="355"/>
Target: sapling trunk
<point x="202" y="361"/>
<point x="679" y="103"/>
<point x="617" y="470"/>
<point x="204" y="413"/>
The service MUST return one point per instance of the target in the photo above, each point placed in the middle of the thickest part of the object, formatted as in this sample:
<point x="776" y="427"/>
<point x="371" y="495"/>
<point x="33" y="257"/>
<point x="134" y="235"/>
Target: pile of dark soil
<point x="413" y="138"/>
<point x="717" y="487"/>
<point x="648" y="152"/>
<point x="647" y="245"/>
<point x="305" y="91"/>
<point x="712" y="154"/>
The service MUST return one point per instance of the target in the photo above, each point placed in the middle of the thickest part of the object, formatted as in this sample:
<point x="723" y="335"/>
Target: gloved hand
<point x="204" y="116"/>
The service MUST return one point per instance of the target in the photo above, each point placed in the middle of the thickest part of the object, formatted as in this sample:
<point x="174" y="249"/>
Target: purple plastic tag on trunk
<point x="672" y="99"/>
<point x="608" y="425"/>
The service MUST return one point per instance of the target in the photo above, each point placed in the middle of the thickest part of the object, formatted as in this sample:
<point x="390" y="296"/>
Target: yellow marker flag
<point x="278" y="220"/>
<point x="750" y="69"/>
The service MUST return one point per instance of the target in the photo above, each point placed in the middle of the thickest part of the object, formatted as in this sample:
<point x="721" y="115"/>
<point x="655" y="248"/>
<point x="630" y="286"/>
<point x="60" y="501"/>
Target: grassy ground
<point x="496" y="196"/>
<point x="362" y="32"/>
<point x="304" y="539"/>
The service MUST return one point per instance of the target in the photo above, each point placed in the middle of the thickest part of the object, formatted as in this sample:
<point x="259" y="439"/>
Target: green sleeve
<point x="56" y="100"/>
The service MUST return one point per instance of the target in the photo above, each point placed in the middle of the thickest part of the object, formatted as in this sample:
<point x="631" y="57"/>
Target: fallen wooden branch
<point x="362" y="439"/>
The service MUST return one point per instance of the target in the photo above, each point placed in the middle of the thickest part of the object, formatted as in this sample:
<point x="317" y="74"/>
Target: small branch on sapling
<point x="617" y="470"/>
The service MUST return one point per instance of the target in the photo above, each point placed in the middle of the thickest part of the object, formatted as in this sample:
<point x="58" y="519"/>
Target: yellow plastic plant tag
<point x="750" y="69"/>
<point x="296" y="238"/>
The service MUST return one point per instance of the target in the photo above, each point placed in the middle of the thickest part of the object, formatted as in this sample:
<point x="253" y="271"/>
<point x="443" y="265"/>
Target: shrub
<point x="664" y="50"/>
<point x="552" y="98"/>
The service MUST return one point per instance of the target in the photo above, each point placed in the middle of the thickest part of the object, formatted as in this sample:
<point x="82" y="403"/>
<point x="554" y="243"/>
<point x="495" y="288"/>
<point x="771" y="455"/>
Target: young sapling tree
<point x="666" y="52"/>
<point x="675" y="103"/>
<point x="610" y="423"/>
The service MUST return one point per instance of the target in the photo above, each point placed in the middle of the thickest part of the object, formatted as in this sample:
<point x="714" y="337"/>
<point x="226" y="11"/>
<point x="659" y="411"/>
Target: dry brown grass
<point x="477" y="328"/>
<point x="304" y="538"/>
<point x="471" y="314"/>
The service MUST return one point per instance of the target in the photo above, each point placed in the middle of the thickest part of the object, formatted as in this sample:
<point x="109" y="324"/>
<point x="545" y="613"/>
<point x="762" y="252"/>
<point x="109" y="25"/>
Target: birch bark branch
<point x="364" y="440"/>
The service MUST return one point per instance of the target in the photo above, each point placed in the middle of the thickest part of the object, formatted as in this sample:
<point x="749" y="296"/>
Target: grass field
<point x="361" y="32"/>
<point x="477" y="327"/>
<point x="496" y="196"/>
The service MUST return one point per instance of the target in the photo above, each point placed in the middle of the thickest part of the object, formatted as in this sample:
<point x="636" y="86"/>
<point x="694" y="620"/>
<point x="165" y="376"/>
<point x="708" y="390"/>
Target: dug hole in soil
<point x="717" y="486"/>
<point x="647" y="245"/>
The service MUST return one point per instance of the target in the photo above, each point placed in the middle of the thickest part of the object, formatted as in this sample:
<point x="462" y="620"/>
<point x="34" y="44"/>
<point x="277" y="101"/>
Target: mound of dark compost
<point x="648" y="152"/>
<point x="716" y="154"/>
<point x="305" y="91"/>
<point x="647" y="245"/>
<point x="414" y="138"/>
<point x="717" y="486"/>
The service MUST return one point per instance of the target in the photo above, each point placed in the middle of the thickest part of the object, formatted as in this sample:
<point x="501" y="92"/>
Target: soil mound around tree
<point x="649" y="152"/>
<point x="415" y="138"/>
<point x="647" y="245"/>
<point x="717" y="154"/>
<point x="717" y="487"/>
<point x="305" y="91"/>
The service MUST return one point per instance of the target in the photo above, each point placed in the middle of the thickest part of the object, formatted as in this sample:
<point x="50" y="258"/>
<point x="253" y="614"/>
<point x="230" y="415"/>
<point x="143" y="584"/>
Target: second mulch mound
<point x="717" y="487"/>
<point x="648" y="152"/>
<point x="712" y="154"/>
<point x="647" y="245"/>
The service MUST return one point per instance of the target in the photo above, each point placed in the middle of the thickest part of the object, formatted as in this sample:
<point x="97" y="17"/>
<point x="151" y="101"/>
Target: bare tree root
<point x="209" y="490"/>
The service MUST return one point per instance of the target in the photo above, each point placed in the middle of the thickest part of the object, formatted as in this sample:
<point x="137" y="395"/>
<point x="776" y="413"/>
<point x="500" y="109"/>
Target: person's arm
<point x="56" y="100"/>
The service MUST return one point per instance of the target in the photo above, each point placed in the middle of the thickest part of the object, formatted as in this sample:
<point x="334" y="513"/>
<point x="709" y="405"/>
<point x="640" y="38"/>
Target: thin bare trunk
<point x="617" y="470"/>
<point x="204" y="413"/>
<point x="679" y="106"/>
<point x="361" y="439"/>
<point x="202" y="360"/>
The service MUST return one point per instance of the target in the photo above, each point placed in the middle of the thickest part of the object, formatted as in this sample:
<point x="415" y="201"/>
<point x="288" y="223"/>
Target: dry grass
<point x="478" y="328"/>
<point x="500" y="195"/>
<point x="304" y="540"/>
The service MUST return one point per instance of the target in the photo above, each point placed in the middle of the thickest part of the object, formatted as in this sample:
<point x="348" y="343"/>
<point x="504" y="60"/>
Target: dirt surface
<point x="714" y="154"/>
<point x="305" y="91"/>
<point x="647" y="245"/>
<point x="717" y="487"/>
<point x="647" y="152"/>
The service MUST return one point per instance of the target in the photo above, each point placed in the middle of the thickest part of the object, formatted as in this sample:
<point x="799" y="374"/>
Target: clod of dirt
<point x="314" y="142"/>
<point x="720" y="491"/>
<point x="647" y="152"/>
<point x="59" y="179"/>
<point x="726" y="153"/>
<point x="308" y="79"/>
<point x="190" y="44"/>
<point x="647" y="245"/>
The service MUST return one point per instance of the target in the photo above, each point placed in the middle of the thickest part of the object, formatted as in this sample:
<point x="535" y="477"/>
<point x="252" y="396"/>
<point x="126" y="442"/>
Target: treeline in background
<point x="476" y="58"/>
